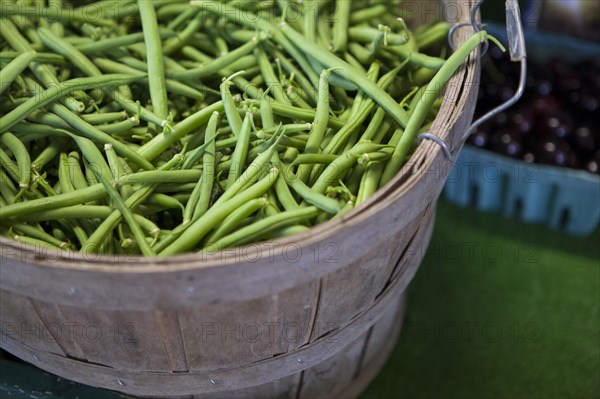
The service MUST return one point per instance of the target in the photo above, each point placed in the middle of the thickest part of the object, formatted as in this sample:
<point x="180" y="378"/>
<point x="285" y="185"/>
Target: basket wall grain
<point x="280" y="319"/>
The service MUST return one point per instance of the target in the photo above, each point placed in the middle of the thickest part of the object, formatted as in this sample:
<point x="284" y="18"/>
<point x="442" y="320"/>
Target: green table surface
<point x="498" y="309"/>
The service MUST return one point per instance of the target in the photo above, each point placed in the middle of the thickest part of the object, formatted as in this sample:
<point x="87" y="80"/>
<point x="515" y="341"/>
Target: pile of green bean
<point x="162" y="127"/>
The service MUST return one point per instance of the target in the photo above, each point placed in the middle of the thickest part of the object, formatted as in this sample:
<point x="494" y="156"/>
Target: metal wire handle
<point x="516" y="46"/>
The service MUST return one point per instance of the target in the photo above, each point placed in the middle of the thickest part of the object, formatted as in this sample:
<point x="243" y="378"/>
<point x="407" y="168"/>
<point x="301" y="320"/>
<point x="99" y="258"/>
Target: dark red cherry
<point x="544" y="104"/>
<point x="528" y="157"/>
<point x="593" y="163"/>
<point x="522" y="121"/>
<point x="583" y="140"/>
<point x="508" y="142"/>
<point x="549" y="147"/>
<point x="557" y="124"/>
<point x="480" y="139"/>
<point x="568" y="83"/>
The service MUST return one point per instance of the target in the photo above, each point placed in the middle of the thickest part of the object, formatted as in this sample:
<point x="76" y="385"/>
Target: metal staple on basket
<point x="438" y="141"/>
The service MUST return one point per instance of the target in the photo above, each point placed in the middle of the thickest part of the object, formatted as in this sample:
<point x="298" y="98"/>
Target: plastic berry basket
<point x="565" y="199"/>
<point x="561" y="198"/>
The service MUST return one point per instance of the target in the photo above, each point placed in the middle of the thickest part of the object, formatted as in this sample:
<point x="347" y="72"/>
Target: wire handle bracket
<point x="517" y="51"/>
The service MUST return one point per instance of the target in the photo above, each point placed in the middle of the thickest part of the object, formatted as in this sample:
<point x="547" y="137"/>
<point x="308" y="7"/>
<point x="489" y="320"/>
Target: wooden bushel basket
<point x="313" y="315"/>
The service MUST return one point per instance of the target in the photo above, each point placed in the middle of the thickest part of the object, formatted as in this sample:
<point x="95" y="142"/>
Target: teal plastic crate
<point x="561" y="198"/>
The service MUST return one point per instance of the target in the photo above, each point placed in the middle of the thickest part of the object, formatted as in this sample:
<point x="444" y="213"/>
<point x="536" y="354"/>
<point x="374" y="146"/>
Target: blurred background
<point x="507" y="301"/>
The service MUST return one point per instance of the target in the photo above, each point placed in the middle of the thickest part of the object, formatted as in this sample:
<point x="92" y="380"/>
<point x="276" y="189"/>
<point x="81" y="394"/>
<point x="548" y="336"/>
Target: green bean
<point x="165" y="201"/>
<point x="232" y="221"/>
<point x="177" y="188"/>
<point x="314" y="159"/>
<point x="21" y="155"/>
<point x="77" y="177"/>
<point x="103" y="118"/>
<point x="121" y="95"/>
<point x="269" y="75"/>
<point x="52" y="94"/>
<point x="195" y="55"/>
<point x="367" y="14"/>
<point x="343" y="135"/>
<point x="314" y="198"/>
<point x="340" y="27"/>
<point x="432" y="35"/>
<point x="367" y="35"/>
<point x="286" y="231"/>
<point x="93" y="133"/>
<point x="87" y="147"/>
<point x="252" y="172"/>
<point x="147" y="225"/>
<point x="41" y="244"/>
<point x="113" y="43"/>
<point x="292" y="130"/>
<point x="69" y="212"/>
<point x="238" y="158"/>
<point x="64" y="177"/>
<point x="310" y="16"/>
<point x="162" y="176"/>
<point x="200" y="198"/>
<point x="416" y="58"/>
<point x="35" y="232"/>
<point x="374" y="125"/>
<point x="11" y="168"/>
<point x="53" y="14"/>
<point x="370" y="183"/>
<point x="346" y="208"/>
<point x="65" y="185"/>
<point x="161" y="142"/>
<point x="265" y="226"/>
<point x="8" y="191"/>
<point x="266" y="113"/>
<point x="154" y="57"/>
<point x="218" y="64"/>
<point x="112" y="220"/>
<point x="49" y="152"/>
<point x="181" y="39"/>
<point x="77" y="197"/>
<point x="284" y="195"/>
<point x="430" y="94"/>
<point x="9" y="104"/>
<point x="319" y="126"/>
<point x="253" y="21"/>
<point x="41" y="71"/>
<point x="303" y="114"/>
<point x="324" y="36"/>
<point x="233" y="117"/>
<point x="127" y="215"/>
<point x="282" y="191"/>
<point x="173" y="86"/>
<point x="198" y="229"/>
<point x="180" y="19"/>
<point x="118" y="128"/>
<point x="117" y="169"/>
<point x="192" y="157"/>
<point x="350" y="73"/>
<point x="9" y="72"/>
<point x="356" y="57"/>
<point x="296" y="96"/>
<point x="341" y="165"/>
<point x="307" y="86"/>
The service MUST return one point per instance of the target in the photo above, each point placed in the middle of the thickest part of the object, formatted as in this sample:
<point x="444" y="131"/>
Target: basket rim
<point x="426" y="153"/>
